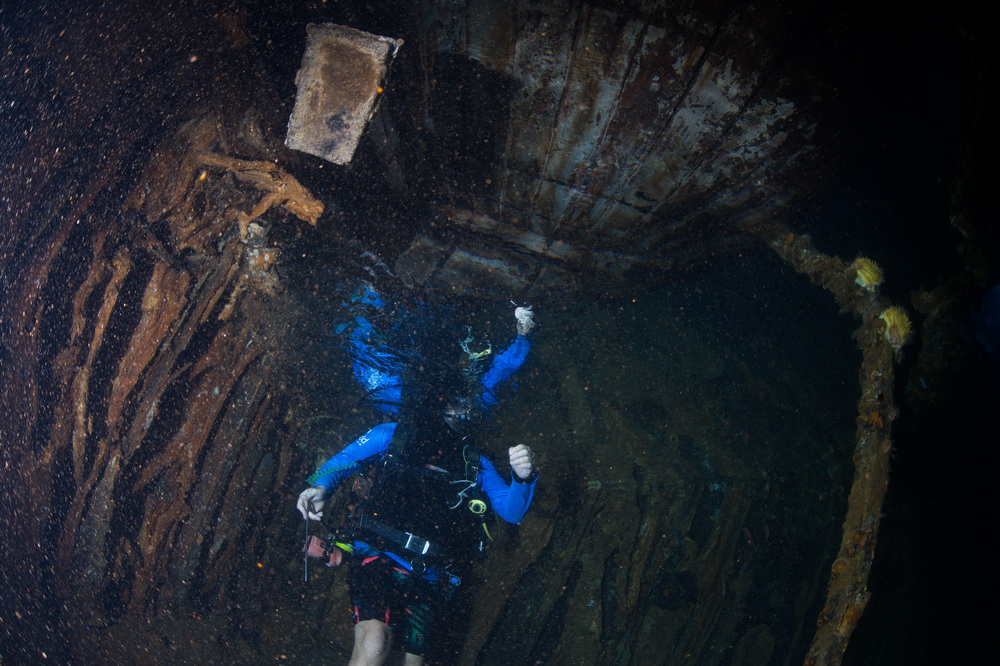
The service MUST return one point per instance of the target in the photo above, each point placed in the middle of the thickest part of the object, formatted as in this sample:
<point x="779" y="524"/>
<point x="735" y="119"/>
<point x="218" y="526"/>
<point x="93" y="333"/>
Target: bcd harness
<point x="467" y="492"/>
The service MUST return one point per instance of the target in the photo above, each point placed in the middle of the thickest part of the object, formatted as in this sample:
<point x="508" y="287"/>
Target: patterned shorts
<point x="381" y="589"/>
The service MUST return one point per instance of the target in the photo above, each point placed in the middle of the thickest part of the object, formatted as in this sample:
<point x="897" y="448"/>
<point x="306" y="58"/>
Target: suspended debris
<point x="339" y="85"/>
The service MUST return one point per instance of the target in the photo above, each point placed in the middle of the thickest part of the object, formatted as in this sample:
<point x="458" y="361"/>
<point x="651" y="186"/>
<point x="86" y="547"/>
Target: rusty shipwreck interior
<point x="755" y="236"/>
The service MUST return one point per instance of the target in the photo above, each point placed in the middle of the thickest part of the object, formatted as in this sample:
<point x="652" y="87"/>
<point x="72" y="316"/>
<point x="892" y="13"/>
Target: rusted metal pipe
<point x="884" y="329"/>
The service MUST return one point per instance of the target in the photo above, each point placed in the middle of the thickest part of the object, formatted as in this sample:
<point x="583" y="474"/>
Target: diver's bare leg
<point x="372" y="642"/>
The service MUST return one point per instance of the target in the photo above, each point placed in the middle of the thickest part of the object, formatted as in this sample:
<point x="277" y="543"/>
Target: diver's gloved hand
<point x="525" y="319"/>
<point x="522" y="460"/>
<point x="311" y="502"/>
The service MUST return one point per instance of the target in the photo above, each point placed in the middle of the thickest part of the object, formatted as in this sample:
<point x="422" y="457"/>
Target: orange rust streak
<point x="208" y="400"/>
<point x="164" y="299"/>
<point x="81" y="382"/>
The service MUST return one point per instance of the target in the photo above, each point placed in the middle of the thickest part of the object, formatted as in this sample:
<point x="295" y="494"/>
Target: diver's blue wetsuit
<point x="509" y="501"/>
<point x="502" y="370"/>
<point x="378" y="370"/>
<point x="378" y="366"/>
<point x="390" y="587"/>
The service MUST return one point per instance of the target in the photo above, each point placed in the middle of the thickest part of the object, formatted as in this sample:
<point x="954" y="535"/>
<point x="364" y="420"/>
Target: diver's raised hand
<point x="522" y="460"/>
<point x="311" y="502"/>
<point x="525" y="317"/>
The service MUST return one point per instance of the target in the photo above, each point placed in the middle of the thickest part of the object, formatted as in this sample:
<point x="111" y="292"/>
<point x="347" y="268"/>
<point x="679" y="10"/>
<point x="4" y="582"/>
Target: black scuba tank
<point x="419" y="491"/>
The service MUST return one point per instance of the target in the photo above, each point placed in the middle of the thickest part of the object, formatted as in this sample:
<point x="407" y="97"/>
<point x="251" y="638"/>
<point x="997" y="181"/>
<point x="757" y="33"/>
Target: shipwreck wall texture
<point x="166" y="265"/>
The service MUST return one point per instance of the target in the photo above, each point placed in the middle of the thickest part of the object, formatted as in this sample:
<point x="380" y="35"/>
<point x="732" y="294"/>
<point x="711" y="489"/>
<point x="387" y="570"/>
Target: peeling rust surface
<point x="152" y="328"/>
<point x="647" y="131"/>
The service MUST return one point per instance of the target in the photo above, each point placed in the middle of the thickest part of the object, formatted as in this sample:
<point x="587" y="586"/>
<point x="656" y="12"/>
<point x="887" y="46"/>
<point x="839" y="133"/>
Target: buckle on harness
<point x="415" y="544"/>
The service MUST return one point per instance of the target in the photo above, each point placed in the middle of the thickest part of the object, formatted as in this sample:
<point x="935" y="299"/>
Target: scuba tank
<point x="426" y="492"/>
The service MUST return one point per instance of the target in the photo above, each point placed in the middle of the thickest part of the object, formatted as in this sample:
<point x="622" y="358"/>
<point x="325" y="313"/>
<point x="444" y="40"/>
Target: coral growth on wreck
<point x="866" y="273"/>
<point x="897" y="326"/>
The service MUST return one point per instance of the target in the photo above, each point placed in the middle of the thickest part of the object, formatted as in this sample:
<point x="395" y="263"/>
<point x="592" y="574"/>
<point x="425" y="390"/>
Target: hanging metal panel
<point x="339" y="84"/>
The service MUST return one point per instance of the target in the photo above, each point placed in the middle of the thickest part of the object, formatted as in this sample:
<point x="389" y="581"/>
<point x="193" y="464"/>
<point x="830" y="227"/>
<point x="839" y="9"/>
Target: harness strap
<point x="405" y="540"/>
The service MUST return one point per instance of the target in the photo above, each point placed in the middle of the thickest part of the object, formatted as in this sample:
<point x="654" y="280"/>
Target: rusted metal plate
<point x="339" y="85"/>
<point x="653" y="135"/>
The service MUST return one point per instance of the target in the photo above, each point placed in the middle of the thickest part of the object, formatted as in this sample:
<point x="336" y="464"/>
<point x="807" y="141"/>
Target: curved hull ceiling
<point x="609" y="136"/>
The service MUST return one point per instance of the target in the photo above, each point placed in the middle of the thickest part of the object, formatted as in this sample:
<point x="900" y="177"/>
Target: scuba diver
<point x="381" y="355"/>
<point x="423" y="489"/>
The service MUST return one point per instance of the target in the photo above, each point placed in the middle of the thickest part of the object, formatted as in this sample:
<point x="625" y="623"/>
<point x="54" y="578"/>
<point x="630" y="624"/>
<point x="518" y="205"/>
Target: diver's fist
<point x="522" y="460"/>
<point x="311" y="502"/>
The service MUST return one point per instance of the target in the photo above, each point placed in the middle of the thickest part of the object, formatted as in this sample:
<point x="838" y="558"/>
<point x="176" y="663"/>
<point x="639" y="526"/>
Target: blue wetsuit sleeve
<point x="350" y="459"/>
<point x="505" y="364"/>
<point x="510" y="501"/>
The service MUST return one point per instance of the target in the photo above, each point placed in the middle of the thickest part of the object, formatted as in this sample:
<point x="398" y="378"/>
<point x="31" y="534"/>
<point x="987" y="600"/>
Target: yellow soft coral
<point x="897" y="326"/>
<point x="867" y="273"/>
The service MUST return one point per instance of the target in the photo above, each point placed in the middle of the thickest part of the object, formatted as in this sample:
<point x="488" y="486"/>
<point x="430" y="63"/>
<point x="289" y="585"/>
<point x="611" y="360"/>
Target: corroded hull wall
<point x="144" y="379"/>
<point x="649" y="136"/>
